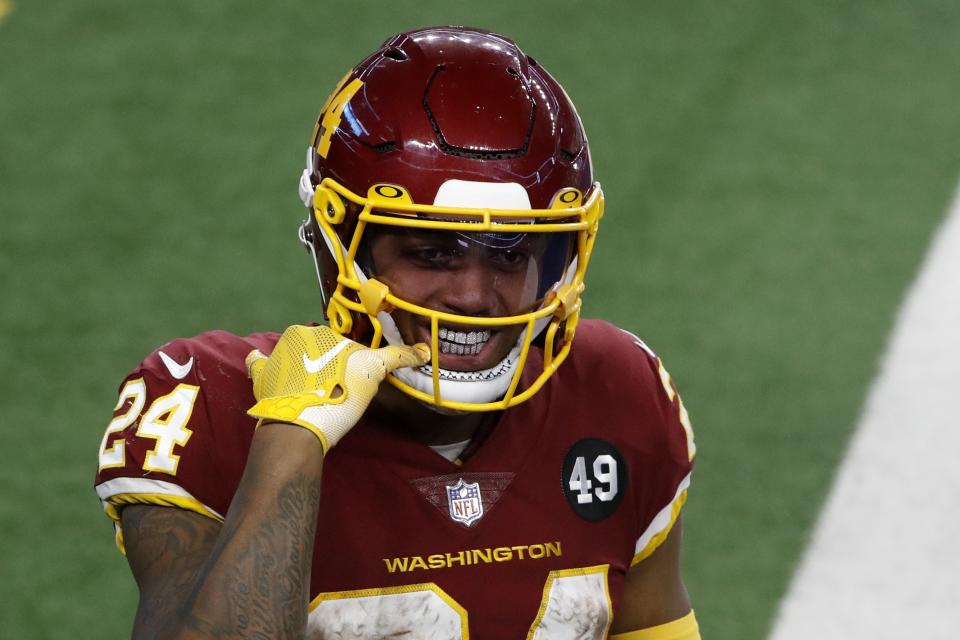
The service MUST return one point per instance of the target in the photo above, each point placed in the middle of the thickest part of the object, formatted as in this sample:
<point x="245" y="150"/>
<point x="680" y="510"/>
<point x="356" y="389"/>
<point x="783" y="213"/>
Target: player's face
<point x="470" y="274"/>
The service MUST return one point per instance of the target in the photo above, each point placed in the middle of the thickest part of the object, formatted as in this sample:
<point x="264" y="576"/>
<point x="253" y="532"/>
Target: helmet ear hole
<point x="306" y="235"/>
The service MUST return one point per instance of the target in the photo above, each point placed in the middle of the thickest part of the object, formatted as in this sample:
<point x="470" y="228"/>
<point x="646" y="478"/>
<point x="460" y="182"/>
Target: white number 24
<point x="575" y="604"/>
<point x="165" y="421"/>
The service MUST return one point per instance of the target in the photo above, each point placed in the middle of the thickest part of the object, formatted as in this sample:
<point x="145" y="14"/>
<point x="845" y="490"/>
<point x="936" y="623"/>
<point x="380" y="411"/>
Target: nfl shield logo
<point x="465" y="503"/>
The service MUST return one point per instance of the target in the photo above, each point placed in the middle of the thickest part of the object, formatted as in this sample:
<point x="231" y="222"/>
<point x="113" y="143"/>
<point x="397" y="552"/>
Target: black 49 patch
<point x="594" y="478"/>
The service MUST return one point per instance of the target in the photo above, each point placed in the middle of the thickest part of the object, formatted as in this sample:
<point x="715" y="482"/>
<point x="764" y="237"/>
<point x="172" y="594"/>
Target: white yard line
<point x="884" y="561"/>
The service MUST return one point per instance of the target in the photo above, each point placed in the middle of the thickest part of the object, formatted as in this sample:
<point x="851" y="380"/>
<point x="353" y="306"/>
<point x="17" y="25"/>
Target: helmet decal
<point x="331" y="115"/>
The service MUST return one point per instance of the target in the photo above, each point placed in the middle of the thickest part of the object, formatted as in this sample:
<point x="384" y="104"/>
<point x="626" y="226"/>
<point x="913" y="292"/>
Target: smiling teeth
<point x="462" y="342"/>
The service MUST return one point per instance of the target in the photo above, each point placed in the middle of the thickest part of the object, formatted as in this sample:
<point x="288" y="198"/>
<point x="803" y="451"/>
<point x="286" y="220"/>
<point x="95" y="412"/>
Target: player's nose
<point x="472" y="290"/>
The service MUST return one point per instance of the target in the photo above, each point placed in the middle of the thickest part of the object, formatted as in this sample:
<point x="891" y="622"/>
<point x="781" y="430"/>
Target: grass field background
<point x="773" y="172"/>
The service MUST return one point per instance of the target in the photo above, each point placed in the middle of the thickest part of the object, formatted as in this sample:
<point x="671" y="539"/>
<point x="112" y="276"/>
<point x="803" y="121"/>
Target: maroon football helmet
<point x="450" y="144"/>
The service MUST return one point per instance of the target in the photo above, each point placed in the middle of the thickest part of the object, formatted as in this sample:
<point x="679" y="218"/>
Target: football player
<point x="518" y="473"/>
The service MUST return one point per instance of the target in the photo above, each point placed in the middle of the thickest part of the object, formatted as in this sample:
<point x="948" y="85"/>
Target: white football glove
<point x="321" y="381"/>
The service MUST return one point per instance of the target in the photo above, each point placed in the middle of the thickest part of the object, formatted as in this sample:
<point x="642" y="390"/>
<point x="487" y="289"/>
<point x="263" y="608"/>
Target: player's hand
<point x="319" y="380"/>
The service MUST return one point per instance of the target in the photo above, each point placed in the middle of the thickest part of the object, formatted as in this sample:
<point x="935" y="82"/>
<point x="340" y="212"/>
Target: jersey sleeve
<point x="670" y="464"/>
<point x="179" y="432"/>
<point x="653" y="426"/>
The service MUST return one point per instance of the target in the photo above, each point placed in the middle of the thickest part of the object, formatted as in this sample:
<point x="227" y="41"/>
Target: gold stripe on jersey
<point x="661" y="525"/>
<point x="684" y="416"/>
<point x="115" y="503"/>
<point x="467" y="557"/>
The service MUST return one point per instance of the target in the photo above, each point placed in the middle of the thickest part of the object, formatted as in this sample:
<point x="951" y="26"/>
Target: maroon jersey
<point x="530" y="536"/>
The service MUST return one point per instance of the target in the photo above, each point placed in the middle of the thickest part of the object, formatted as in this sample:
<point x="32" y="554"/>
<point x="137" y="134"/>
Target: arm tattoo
<point x="171" y="546"/>
<point x="261" y="576"/>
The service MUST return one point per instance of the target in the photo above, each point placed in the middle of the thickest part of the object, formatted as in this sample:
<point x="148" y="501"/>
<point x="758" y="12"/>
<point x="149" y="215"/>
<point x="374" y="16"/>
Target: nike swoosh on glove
<point x="321" y="381"/>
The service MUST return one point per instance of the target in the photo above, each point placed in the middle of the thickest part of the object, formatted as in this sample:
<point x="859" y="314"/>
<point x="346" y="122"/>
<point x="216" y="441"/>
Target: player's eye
<point x="432" y="256"/>
<point x="509" y="259"/>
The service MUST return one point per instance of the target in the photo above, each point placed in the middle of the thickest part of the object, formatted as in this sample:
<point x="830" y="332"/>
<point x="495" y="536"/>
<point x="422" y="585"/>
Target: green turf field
<point x="773" y="173"/>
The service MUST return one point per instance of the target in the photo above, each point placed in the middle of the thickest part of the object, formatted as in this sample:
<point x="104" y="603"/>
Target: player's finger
<point x="255" y="362"/>
<point x="396" y="356"/>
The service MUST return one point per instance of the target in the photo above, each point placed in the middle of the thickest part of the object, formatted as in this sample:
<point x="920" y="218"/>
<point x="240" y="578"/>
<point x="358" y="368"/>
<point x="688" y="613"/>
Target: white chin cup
<point x="471" y="387"/>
